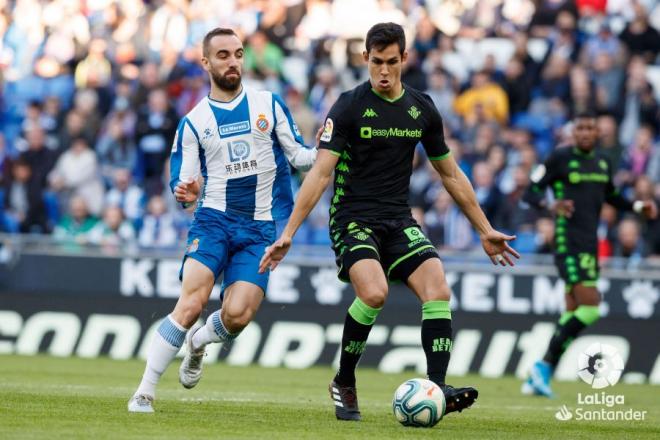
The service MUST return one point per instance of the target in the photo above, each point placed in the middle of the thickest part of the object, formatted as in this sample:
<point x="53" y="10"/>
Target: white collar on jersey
<point x="227" y="105"/>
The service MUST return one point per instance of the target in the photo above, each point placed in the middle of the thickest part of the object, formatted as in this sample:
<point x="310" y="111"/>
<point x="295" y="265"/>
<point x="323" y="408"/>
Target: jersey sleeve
<point x="184" y="158"/>
<point x="542" y="176"/>
<point x="433" y="138"/>
<point x="289" y="137"/>
<point x="337" y="126"/>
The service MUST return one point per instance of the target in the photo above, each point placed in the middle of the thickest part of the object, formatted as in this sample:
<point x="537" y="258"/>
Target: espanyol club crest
<point x="193" y="246"/>
<point x="262" y="123"/>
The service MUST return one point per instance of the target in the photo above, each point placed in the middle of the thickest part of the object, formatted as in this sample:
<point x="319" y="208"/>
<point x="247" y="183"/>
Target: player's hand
<point x="274" y="254"/>
<point x="563" y="207"/>
<point x="650" y="210"/>
<point x="496" y="245"/>
<point x="187" y="192"/>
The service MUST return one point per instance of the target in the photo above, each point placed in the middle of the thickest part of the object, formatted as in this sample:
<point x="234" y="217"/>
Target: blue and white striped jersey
<point x="241" y="149"/>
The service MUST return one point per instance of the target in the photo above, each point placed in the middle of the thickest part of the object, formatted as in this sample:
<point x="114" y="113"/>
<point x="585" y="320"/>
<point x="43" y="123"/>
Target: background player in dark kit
<point x="581" y="180"/>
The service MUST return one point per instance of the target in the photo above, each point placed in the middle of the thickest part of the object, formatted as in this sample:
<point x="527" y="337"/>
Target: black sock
<point x="564" y="335"/>
<point x="353" y="343"/>
<point x="437" y="342"/>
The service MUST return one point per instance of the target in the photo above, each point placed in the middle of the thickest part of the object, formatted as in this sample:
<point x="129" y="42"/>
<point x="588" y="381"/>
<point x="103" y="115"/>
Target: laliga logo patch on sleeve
<point x="327" y="130"/>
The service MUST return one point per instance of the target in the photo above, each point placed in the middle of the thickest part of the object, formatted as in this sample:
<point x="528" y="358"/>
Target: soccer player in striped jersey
<point x="238" y="142"/>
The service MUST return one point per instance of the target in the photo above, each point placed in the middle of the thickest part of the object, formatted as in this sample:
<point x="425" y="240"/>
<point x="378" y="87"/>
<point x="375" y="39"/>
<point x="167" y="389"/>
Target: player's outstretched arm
<point x="495" y="244"/>
<point x="310" y="192"/>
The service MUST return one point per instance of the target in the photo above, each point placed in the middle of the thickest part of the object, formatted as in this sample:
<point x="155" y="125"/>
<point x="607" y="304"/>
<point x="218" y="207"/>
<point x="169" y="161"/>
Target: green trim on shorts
<point x="563" y="319"/>
<point x="587" y="314"/>
<point x="364" y="246"/>
<point x="362" y="313"/>
<point x="405" y="257"/>
<point x="438" y="309"/>
<point x="334" y="153"/>
<point x="441" y="157"/>
<point x="592" y="283"/>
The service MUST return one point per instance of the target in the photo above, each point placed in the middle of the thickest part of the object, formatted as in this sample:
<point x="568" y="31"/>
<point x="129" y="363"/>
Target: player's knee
<point x="188" y="310"/>
<point x="587" y="314"/>
<point x="434" y="291"/>
<point x="236" y="320"/>
<point x="374" y="297"/>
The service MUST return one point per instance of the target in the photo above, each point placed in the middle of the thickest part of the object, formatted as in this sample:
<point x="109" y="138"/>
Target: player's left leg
<point x="243" y="291"/>
<point x="428" y="282"/>
<point x="585" y="301"/>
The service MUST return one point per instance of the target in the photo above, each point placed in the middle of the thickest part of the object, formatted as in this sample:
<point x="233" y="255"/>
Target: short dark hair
<point x="382" y="35"/>
<point x="585" y="114"/>
<point x="214" y="33"/>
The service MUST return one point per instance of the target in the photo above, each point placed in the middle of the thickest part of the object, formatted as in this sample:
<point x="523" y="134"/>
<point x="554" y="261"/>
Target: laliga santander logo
<point x="600" y="366"/>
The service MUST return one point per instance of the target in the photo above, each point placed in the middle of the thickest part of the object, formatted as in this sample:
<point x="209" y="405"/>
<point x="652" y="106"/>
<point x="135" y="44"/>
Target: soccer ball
<point x="418" y="402"/>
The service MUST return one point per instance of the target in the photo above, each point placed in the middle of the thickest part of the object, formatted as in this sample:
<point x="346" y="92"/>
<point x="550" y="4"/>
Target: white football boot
<point x="141" y="403"/>
<point x="190" y="371"/>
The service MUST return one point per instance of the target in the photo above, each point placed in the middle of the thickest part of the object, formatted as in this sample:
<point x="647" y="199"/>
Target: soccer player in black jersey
<point x="368" y="142"/>
<point x="581" y="180"/>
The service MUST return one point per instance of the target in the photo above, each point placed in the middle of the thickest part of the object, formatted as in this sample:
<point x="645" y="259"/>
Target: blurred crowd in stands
<point x="92" y="91"/>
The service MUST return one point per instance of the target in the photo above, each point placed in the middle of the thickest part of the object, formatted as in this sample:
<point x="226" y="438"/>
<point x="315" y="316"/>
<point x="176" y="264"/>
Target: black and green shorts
<point x="398" y="244"/>
<point x="578" y="268"/>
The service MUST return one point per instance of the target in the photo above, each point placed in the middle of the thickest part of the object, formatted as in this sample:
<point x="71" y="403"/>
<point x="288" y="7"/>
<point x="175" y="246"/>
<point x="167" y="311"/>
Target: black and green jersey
<point x="375" y="140"/>
<point x="584" y="178"/>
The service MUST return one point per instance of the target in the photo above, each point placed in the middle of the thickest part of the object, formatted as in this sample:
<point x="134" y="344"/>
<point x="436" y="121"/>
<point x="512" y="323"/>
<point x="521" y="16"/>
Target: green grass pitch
<point x="53" y="398"/>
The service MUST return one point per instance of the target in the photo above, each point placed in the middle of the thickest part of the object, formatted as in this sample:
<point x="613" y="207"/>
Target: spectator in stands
<point x="643" y="190"/>
<point x="40" y="159"/>
<point x="608" y="141"/>
<point x="76" y="225"/>
<point x="115" y="147"/>
<point x="555" y="80"/>
<point x="156" y="125"/>
<point x="639" y="104"/>
<point x="446" y="226"/>
<point x="608" y="81"/>
<point x="638" y="157"/>
<point x="516" y="86"/>
<point x="545" y="235"/>
<point x="302" y="114"/>
<point x="602" y="43"/>
<point x="113" y="230"/>
<point x="629" y="242"/>
<point x="94" y="71"/>
<point x="87" y="103"/>
<point x="158" y="229"/>
<point x="488" y="194"/>
<point x="126" y="195"/>
<point x="148" y="81"/>
<point x="195" y="87"/>
<point x="639" y="37"/>
<point x="513" y="215"/>
<point x="76" y="173"/>
<point x="485" y="94"/>
<point x="5" y="163"/>
<point x="23" y="203"/>
<point x="263" y="57"/>
<point x="74" y="127"/>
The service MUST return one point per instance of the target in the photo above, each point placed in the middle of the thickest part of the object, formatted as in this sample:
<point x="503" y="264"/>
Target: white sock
<point x="213" y="331"/>
<point x="163" y="348"/>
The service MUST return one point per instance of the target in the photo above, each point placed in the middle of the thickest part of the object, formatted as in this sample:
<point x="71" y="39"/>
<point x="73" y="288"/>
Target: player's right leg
<point x="358" y="260"/>
<point x="198" y="281"/>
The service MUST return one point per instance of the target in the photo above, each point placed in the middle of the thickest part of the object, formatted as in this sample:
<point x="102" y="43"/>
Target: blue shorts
<point x="230" y="244"/>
